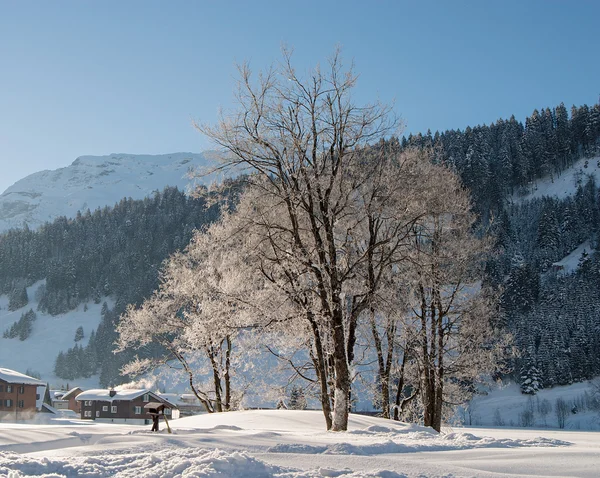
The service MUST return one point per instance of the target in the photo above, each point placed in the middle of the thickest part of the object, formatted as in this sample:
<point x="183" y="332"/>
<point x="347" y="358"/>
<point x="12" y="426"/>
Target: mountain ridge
<point x="90" y="182"/>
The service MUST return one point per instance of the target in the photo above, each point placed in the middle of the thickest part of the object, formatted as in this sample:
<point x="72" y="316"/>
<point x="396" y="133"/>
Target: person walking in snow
<point x="155" y="422"/>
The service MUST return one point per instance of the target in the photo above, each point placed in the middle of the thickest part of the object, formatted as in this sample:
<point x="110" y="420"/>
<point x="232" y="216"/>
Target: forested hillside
<point x="554" y="314"/>
<point x="506" y="156"/>
<point x="111" y="251"/>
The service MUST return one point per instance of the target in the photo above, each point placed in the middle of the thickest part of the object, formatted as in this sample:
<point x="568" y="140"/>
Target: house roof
<point x="73" y="392"/>
<point x="157" y="405"/>
<point x="10" y="376"/>
<point x="180" y="399"/>
<point x="104" y="394"/>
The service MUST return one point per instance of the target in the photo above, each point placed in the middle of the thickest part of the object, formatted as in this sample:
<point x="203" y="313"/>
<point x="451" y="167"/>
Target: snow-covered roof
<point x="10" y="376"/>
<point x="104" y="394"/>
<point x="180" y="399"/>
<point x="71" y="392"/>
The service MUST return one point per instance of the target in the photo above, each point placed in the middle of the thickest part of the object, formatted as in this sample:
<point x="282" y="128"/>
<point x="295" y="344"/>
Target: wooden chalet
<point x="67" y="400"/>
<point x="20" y="394"/>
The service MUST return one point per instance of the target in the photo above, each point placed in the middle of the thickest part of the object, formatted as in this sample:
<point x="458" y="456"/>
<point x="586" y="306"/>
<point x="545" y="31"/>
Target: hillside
<point x="49" y="336"/>
<point x="564" y="184"/>
<point x="91" y="182"/>
<point x="66" y="265"/>
<point x="503" y="405"/>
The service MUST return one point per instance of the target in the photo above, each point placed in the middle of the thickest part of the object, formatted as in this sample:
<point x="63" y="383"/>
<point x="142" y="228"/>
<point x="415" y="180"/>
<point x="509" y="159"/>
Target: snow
<point x="569" y="263"/>
<point x="291" y="444"/>
<point x="104" y="394"/>
<point x="510" y="403"/>
<point x="91" y="182"/>
<point x="50" y="335"/>
<point x="564" y="185"/>
<point x="12" y="376"/>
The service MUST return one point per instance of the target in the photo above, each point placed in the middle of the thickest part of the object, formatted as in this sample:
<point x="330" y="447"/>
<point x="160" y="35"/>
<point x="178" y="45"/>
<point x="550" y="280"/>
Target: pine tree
<point x="297" y="399"/>
<point x="79" y="334"/>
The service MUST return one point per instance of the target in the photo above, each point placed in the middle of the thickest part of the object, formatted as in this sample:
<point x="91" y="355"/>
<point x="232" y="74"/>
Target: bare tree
<point x="452" y="316"/>
<point x="302" y="137"/>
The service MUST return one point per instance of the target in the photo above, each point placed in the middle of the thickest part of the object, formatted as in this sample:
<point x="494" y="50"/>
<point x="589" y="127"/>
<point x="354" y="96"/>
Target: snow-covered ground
<point x="504" y="405"/>
<point x="50" y="335"/>
<point x="570" y="262"/>
<point x="284" y="443"/>
<point x="564" y="185"/>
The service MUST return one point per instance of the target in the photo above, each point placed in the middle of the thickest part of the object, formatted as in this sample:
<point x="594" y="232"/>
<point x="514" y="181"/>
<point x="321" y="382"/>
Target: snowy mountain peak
<point x="94" y="181"/>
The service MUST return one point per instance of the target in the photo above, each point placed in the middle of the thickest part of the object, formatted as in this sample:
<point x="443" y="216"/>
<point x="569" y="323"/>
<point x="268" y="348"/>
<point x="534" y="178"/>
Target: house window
<point x="146" y="397"/>
<point x="37" y="396"/>
<point x="113" y="409"/>
<point x="137" y="410"/>
<point x="1" y="388"/>
<point x="167" y="411"/>
<point x="21" y="389"/>
<point x="105" y="408"/>
<point x="87" y="413"/>
<point x="97" y="413"/>
<point x="21" y="404"/>
<point x="88" y="403"/>
<point x="8" y="388"/>
<point x="8" y="402"/>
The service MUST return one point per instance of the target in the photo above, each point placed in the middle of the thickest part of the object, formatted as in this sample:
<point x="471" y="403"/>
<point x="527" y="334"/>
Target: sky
<point x="80" y="78"/>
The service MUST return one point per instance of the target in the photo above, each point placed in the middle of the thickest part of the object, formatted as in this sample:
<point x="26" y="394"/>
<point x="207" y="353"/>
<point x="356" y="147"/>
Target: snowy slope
<point x="94" y="181"/>
<point x="290" y="444"/>
<point x="50" y="335"/>
<point x="504" y="405"/>
<point x="570" y="262"/>
<point x="564" y="185"/>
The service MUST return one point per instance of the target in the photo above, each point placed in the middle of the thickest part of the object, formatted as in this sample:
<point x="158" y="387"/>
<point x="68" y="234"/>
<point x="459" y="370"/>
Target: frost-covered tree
<point x="192" y="316"/>
<point x="453" y="316"/>
<point x="330" y="216"/>
<point x="297" y="399"/>
<point x="302" y="137"/>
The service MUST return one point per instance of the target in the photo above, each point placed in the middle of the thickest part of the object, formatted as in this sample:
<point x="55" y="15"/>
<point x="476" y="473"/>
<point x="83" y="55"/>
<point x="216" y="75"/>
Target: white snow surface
<point x="104" y="394"/>
<point x="91" y="182"/>
<point x="570" y="262"/>
<point x="564" y="185"/>
<point x="510" y="404"/>
<point x="291" y="444"/>
<point x="12" y="376"/>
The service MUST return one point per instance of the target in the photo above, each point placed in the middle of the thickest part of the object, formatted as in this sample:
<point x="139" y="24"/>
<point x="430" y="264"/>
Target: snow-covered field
<point x="284" y="443"/>
<point x="505" y="405"/>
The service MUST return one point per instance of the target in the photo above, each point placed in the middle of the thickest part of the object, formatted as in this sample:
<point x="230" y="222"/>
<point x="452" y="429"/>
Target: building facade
<point x="19" y="394"/>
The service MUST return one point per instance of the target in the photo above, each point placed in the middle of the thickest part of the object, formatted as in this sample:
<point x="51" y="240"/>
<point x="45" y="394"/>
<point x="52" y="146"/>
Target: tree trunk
<point x="321" y="370"/>
<point x="227" y="376"/>
<point x="216" y="379"/>
<point x="342" y="375"/>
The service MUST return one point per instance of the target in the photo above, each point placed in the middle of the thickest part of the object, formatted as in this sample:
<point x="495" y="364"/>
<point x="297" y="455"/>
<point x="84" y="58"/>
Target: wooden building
<point x="19" y="394"/>
<point x="67" y="400"/>
<point x="121" y="406"/>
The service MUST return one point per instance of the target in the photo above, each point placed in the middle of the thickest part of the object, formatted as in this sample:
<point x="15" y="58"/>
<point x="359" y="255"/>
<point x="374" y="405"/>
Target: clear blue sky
<point x="80" y="77"/>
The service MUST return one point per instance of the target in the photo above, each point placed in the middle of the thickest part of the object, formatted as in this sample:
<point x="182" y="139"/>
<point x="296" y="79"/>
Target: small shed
<point x="162" y="408"/>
